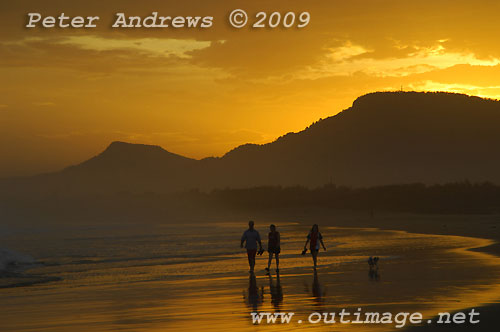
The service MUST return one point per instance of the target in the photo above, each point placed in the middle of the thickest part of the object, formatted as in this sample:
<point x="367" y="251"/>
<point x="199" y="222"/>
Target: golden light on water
<point x="422" y="273"/>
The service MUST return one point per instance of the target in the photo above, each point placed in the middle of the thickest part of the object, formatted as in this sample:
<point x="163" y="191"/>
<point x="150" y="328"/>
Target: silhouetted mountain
<point x="132" y="167"/>
<point x="384" y="138"/>
<point x="122" y="167"/>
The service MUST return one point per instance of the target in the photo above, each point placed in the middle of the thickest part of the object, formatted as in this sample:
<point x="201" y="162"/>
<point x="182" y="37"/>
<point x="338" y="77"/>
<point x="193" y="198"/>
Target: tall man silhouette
<point x="250" y="237"/>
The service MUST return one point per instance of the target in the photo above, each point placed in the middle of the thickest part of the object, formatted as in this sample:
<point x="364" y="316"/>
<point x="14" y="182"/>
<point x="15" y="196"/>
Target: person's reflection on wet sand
<point x="318" y="292"/>
<point x="276" y="292"/>
<point x="254" y="296"/>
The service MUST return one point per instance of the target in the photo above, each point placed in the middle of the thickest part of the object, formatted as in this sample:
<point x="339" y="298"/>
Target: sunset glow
<point x="67" y="93"/>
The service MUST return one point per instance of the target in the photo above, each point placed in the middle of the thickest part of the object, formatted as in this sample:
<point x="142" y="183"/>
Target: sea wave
<point x="11" y="260"/>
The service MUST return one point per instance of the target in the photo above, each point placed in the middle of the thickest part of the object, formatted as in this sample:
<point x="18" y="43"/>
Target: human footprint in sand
<point x="251" y="237"/>
<point x="314" y="238"/>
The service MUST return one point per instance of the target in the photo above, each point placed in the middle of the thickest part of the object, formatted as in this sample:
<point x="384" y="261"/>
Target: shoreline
<point x="486" y="227"/>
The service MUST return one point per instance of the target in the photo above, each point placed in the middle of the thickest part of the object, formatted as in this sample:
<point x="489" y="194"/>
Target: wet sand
<point x="479" y="226"/>
<point x="482" y="226"/>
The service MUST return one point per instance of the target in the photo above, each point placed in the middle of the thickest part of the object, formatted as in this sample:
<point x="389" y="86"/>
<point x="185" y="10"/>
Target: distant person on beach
<point x="273" y="247"/>
<point x="314" y="238"/>
<point x="250" y="237"/>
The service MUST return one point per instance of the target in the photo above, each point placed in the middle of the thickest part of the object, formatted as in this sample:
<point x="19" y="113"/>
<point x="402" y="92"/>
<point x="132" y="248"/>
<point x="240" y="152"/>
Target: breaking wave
<point x="14" y="261"/>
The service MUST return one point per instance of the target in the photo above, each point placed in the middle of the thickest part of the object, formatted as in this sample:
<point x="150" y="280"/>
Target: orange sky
<point x="67" y="93"/>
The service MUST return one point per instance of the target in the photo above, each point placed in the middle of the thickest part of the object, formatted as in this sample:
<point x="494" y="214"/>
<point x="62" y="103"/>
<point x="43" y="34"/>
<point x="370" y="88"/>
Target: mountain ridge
<point x="383" y="138"/>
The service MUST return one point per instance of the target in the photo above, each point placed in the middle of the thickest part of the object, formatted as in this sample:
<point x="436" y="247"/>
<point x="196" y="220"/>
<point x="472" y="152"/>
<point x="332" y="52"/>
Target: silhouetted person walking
<point x="250" y="237"/>
<point x="273" y="247"/>
<point x="314" y="238"/>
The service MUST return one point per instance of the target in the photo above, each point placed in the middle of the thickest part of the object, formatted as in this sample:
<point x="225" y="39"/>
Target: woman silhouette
<point x="314" y="238"/>
<point x="273" y="247"/>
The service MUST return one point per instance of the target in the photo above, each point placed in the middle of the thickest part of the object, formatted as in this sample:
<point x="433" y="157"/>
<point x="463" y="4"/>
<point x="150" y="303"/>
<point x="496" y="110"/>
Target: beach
<point x="160" y="277"/>
<point x="142" y="143"/>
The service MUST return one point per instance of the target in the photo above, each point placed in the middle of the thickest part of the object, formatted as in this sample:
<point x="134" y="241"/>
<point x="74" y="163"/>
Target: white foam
<point x="10" y="258"/>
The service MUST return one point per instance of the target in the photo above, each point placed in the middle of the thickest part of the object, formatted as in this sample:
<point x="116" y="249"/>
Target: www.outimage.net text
<point x="399" y="320"/>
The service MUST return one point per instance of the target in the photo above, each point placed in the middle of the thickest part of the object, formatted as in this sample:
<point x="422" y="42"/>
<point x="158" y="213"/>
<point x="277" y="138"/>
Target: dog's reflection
<point x="374" y="275"/>
<point x="373" y="269"/>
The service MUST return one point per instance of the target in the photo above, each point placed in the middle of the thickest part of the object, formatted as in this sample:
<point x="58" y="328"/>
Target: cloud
<point x="481" y="91"/>
<point x="345" y="60"/>
<point x="158" y="47"/>
<point x="346" y="52"/>
<point x="44" y="103"/>
<point x="91" y="58"/>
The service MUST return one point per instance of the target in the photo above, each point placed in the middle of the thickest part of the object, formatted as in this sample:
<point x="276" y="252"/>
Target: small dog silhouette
<point x="373" y="262"/>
